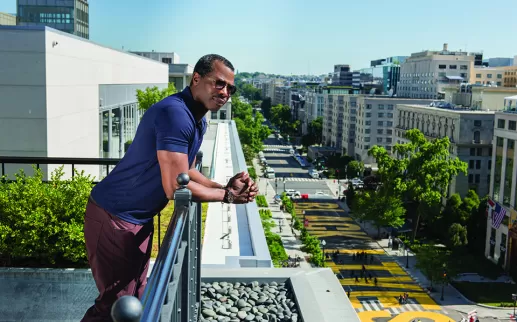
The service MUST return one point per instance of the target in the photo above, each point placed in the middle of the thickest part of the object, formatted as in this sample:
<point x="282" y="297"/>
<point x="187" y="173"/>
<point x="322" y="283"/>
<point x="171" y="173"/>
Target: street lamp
<point x="323" y="243"/>
<point x="407" y="255"/>
<point x="276" y="185"/>
<point x="284" y="183"/>
<point x="444" y="279"/>
<point x="514" y="298"/>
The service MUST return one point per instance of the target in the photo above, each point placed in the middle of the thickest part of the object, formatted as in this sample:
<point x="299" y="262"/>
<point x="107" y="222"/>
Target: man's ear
<point x="195" y="78"/>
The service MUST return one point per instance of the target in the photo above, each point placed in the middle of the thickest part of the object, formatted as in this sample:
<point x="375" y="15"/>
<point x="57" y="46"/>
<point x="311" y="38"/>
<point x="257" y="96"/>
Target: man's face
<point x="214" y="89"/>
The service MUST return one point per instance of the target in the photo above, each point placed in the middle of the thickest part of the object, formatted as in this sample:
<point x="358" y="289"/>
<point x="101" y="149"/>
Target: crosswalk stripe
<point x="366" y="306"/>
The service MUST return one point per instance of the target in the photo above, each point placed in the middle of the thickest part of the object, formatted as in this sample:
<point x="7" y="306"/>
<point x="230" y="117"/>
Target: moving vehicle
<point x="270" y="173"/>
<point x="293" y="193"/>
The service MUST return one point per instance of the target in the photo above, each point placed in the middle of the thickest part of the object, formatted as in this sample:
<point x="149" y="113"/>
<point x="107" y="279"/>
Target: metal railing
<point x="173" y="290"/>
<point x="37" y="161"/>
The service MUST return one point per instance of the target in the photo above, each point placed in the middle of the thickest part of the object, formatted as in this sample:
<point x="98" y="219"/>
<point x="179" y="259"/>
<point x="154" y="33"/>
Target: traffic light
<point x="444" y="274"/>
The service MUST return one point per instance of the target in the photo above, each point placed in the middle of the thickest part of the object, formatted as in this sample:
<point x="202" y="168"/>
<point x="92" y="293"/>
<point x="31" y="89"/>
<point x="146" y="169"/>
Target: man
<point x="118" y="225"/>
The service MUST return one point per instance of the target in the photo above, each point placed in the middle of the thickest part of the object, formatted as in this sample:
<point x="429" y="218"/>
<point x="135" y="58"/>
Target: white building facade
<point x="64" y="96"/>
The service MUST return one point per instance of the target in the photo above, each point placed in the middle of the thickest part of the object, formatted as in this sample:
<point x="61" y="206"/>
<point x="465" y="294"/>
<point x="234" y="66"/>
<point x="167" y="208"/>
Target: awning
<point x="454" y="77"/>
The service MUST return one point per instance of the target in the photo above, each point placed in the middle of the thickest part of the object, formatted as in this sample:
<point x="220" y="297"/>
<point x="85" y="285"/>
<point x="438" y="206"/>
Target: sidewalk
<point x="453" y="299"/>
<point x="291" y="243"/>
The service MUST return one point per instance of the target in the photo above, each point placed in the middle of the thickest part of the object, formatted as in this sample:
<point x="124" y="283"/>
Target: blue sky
<point x="298" y="37"/>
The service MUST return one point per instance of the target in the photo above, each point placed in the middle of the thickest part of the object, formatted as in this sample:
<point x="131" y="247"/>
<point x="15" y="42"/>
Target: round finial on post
<point x="183" y="180"/>
<point x="127" y="309"/>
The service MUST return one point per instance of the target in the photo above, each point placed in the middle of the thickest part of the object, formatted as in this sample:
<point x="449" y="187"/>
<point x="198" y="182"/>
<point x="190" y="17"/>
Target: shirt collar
<point x="189" y="101"/>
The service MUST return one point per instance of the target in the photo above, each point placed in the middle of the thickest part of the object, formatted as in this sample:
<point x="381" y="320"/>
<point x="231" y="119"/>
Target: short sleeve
<point x="174" y="129"/>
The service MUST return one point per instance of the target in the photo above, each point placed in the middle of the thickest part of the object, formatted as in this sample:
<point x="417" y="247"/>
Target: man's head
<point x="212" y="82"/>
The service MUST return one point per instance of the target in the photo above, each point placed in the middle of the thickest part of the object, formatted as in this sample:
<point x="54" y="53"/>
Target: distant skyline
<point x="285" y="37"/>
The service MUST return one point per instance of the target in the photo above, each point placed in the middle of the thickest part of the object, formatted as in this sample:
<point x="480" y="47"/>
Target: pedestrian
<point x="353" y="257"/>
<point x="118" y="224"/>
<point x="375" y="281"/>
<point x="348" y="292"/>
<point x="371" y="259"/>
<point x="357" y="279"/>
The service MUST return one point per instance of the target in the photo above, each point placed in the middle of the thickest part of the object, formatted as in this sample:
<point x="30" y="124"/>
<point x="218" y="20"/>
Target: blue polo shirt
<point x="133" y="190"/>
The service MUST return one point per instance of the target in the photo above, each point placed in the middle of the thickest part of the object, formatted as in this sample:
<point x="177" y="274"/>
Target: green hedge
<point x="41" y="224"/>
<point x="311" y="244"/>
<point x="261" y="201"/>
<point x="252" y="173"/>
<point x="274" y="242"/>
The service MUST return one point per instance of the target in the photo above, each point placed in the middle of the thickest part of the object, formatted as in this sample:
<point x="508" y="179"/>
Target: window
<point x="380" y="123"/>
<point x="390" y="107"/>
<point x="442" y="66"/>
<point x="388" y="140"/>
<point x="478" y="164"/>
<point x="167" y="60"/>
<point x="380" y="114"/>
<point x="477" y="122"/>
<point x="488" y="75"/>
<point x="390" y="115"/>
<point x="477" y="136"/>
<point x="368" y="123"/>
<point x="381" y="106"/>
<point x="512" y="125"/>
<point x="389" y="132"/>
<point x="472" y="152"/>
<point x="368" y="114"/>
<point x="489" y="165"/>
<point x="477" y="178"/>
<point x="367" y="139"/>
<point x="213" y="116"/>
<point x="389" y="123"/>
<point x="379" y="131"/>
<point x="368" y="106"/>
<point x="453" y="67"/>
<point x="379" y="140"/>
<point x="471" y="164"/>
<point x="464" y="67"/>
<point x="500" y="123"/>
<point x="499" y="76"/>
<point x="479" y="152"/>
<point x="500" y="142"/>
<point x="478" y="75"/>
<point x="471" y="178"/>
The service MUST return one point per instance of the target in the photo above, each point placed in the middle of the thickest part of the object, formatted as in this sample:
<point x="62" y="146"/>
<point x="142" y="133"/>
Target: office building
<point x="385" y="71"/>
<point x="344" y="76"/>
<point x="501" y="240"/>
<point x="63" y="96"/>
<point x="424" y="74"/>
<point x="499" y="62"/>
<point x="71" y="16"/>
<point x="470" y="133"/>
<point x="7" y="19"/>
<point x="373" y="125"/>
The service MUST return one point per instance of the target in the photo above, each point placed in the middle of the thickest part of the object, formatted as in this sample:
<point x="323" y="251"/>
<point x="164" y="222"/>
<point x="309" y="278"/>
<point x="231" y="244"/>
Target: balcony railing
<point x="173" y="289"/>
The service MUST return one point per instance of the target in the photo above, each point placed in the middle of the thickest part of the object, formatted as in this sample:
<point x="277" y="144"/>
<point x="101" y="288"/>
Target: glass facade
<point x="498" y="167"/>
<point x="70" y="16"/>
<point x="508" y="176"/>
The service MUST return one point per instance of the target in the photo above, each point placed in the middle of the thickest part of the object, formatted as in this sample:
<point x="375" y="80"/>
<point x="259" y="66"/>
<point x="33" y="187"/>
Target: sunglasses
<point x="220" y="84"/>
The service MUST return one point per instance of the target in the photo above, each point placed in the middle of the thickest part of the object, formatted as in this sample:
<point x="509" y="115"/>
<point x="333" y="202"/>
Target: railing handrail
<point x="156" y="288"/>
<point x="58" y="160"/>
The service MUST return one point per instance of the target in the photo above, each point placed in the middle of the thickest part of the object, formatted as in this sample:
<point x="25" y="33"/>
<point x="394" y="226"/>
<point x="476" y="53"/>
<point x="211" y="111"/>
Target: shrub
<point x="252" y="173"/>
<point x="261" y="201"/>
<point x="43" y="222"/>
<point x="274" y="242"/>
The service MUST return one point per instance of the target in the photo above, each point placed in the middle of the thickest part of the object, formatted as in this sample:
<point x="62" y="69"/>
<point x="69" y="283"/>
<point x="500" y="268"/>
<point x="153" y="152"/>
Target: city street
<point x="379" y="302"/>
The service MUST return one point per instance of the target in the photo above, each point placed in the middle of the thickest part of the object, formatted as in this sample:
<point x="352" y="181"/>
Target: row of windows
<point x="463" y="67"/>
<point x="389" y="115"/>
<point x="489" y="76"/>
<point x="380" y="106"/>
<point x="501" y="124"/>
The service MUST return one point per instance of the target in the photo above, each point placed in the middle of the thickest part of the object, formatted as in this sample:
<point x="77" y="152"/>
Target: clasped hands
<point x="243" y="188"/>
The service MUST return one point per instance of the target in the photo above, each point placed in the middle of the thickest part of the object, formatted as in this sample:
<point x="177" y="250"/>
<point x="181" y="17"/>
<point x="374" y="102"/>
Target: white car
<point x="320" y="193"/>
<point x="293" y="193"/>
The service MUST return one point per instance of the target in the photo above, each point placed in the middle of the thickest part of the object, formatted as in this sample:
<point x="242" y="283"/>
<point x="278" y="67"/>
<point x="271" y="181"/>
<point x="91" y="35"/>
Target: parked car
<point x="293" y="193"/>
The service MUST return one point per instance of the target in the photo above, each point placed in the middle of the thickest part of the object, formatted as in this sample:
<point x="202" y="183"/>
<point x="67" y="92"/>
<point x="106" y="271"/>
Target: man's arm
<point x="174" y="163"/>
<point x="198" y="177"/>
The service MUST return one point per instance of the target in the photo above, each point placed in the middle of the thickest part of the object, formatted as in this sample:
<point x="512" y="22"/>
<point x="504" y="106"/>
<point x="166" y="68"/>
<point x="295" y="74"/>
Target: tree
<point x="418" y="171"/>
<point x="281" y="117"/>
<point x="430" y="261"/>
<point x="476" y="227"/>
<point x="152" y="95"/>
<point x="457" y="236"/>
<point x="350" y="197"/>
<point x="354" y="169"/>
<point x="382" y="210"/>
<point x="316" y="129"/>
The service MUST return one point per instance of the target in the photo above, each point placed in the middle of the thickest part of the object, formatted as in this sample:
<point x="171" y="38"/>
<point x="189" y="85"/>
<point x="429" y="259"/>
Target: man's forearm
<point x="199" y="178"/>
<point x="201" y="193"/>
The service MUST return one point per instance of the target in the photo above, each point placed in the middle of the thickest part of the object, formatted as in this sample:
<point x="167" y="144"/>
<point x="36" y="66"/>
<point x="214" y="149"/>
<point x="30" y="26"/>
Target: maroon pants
<point x="118" y="253"/>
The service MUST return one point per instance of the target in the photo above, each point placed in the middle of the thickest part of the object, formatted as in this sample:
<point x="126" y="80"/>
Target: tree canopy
<point x="383" y="210"/>
<point x="152" y="95"/>
<point x="419" y="171"/>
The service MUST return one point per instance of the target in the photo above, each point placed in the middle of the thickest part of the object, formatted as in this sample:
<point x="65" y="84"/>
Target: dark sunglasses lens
<point x="219" y="84"/>
<point x="232" y="89"/>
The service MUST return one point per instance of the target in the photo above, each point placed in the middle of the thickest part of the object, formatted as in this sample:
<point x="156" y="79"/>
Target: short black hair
<point x="205" y="64"/>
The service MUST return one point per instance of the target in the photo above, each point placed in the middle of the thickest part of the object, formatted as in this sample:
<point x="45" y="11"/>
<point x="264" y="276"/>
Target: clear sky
<point x="301" y="37"/>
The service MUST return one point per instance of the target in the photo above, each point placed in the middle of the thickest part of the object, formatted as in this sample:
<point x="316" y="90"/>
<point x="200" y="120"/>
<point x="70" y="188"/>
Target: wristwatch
<point x="228" y="196"/>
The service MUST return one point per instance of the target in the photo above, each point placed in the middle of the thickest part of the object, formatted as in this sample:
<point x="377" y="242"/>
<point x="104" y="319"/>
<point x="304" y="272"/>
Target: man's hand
<point x="243" y="188"/>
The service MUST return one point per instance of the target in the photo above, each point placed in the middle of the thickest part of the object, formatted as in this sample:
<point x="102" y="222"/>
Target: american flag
<point x="490" y="205"/>
<point x="498" y="215"/>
